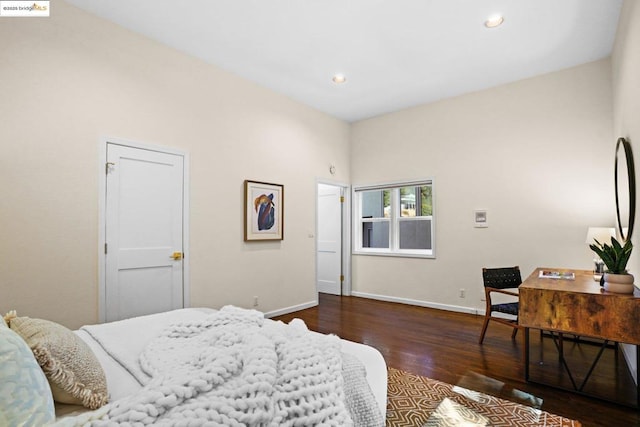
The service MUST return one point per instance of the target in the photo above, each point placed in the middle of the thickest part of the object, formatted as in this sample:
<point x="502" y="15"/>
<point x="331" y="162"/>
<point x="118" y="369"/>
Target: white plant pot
<point x="619" y="283"/>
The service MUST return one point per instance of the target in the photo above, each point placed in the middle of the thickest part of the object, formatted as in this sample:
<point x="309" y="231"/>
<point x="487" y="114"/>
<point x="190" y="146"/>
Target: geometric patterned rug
<point x="417" y="401"/>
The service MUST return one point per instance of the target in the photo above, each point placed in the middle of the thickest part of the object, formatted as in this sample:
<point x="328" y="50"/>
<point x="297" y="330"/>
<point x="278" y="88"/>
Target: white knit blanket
<point x="234" y="369"/>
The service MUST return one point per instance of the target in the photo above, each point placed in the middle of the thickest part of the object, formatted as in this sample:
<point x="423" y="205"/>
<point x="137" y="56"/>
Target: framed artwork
<point x="263" y="211"/>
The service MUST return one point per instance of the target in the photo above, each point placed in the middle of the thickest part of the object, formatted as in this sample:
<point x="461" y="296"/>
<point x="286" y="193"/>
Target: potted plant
<point x="615" y="256"/>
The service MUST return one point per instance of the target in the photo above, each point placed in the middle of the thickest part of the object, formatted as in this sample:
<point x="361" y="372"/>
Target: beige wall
<point x="70" y="79"/>
<point x="537" y="154"/>
<point x="626" y="90"/>
<point x="626" y="111"/>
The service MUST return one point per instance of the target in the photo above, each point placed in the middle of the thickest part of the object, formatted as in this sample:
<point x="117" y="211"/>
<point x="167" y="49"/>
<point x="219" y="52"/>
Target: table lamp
<point x="602" y="235"/>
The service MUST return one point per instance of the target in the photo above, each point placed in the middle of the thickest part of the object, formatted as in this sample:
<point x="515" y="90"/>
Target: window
<point x="394" y="219"/>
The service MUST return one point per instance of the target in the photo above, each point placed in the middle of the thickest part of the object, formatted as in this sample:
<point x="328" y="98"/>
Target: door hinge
<point x="105" y="248"/>
<point x="341" y="199"/>
<point x="107" y="166"/>
<point x="341" y="278"/>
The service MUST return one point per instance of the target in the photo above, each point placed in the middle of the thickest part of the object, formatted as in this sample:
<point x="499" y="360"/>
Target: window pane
<point x="416" y="201"/>
<point x="376" y="204"/>
<point x="415" y="234"/>
<point x="425" y="200"/>
<point x="408" y="201"/>
<point x="375" y="234"/>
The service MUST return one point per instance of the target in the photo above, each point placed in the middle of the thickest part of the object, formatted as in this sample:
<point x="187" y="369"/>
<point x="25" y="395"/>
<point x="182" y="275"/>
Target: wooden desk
<point x="579" y="307"/>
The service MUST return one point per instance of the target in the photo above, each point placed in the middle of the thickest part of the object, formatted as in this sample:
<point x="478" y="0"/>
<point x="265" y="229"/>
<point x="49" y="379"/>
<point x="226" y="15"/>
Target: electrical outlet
<point x="255" y="301"/>
<point x="463" y="293"/>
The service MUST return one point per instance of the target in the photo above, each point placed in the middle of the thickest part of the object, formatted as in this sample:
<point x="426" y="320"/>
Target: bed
<point x="182" y="366"/>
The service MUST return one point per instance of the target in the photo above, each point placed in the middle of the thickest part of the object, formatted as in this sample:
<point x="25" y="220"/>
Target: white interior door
<point x="143" y="232"/>
<point x="329" y="239"/>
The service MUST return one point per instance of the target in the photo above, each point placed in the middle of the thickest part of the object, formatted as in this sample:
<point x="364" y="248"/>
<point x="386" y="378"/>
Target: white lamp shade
<point x="601" y="234"/>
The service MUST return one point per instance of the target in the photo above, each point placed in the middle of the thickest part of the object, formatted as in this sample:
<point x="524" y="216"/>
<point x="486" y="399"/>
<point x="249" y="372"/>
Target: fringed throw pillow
<point x="73" y="371"/>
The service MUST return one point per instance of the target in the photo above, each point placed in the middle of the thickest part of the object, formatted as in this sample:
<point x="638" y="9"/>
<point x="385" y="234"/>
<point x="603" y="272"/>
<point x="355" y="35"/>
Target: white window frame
<point x="393" y="220"/>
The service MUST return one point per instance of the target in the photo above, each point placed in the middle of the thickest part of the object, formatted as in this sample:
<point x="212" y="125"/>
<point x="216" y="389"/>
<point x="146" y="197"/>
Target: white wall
<point x="68" y="80"/>
<point x="626" y="117"/>
<point x="537" y="154"/>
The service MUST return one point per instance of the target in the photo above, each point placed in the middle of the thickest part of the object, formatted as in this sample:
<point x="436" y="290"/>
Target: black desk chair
<point x="500" y="280"/>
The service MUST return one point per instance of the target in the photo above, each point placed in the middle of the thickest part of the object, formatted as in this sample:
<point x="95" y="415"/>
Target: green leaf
<point x="615" y="256"/>
<point x="616" y="244"/>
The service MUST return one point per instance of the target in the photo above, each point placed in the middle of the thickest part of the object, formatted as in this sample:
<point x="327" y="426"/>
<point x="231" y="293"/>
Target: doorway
<point x="332" y="248"/>
<point x="143" y="230"/>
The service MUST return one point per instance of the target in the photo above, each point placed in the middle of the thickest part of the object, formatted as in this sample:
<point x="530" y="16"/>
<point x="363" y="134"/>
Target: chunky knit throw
<point x="234" y="369"/>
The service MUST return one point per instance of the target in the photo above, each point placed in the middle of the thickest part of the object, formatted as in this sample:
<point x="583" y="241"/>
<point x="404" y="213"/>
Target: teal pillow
<point x="26" y="395"/>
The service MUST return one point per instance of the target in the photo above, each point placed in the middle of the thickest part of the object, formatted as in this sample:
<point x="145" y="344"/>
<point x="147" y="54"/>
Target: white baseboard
<point x="291" y="309"/>
<point x="420" y="303"/>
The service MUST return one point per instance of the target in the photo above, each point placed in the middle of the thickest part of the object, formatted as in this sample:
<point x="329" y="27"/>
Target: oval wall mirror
<point x="625" y="183"/>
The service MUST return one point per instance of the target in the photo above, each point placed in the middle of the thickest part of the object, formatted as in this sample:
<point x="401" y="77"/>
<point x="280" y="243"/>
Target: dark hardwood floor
<point x="444" y="345"/>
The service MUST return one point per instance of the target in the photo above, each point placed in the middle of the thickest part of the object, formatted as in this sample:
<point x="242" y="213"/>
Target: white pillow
<point x="26" y="395"/>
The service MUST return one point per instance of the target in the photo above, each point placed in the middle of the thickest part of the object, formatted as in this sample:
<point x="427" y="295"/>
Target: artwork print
<point x="263" y="211"/>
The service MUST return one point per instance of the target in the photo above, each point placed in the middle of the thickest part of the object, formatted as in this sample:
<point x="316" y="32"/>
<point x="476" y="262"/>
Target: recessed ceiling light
<point x="339" y="78"/>
<point x="494" y="21"/>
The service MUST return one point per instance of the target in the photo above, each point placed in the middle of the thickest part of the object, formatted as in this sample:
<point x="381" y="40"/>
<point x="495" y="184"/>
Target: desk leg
<point x="526" y="354"/>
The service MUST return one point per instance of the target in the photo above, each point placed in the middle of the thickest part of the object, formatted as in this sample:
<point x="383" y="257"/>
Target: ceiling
<point x="394" y="53"/>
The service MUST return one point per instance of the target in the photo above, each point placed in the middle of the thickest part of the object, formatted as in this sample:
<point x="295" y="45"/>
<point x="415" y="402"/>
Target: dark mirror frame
<point x="631" y="173"/>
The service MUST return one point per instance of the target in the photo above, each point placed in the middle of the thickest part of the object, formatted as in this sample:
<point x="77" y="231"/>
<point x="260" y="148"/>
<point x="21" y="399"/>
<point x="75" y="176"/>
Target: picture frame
<point x="263" y="211"/>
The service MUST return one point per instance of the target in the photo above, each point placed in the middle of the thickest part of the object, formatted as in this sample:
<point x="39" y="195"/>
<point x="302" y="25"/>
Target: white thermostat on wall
<point x="480" y="218"/>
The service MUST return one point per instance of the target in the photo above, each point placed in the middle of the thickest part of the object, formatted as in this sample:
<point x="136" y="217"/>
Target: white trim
<point x="291" y="309"/>
<point x="102" y="194"/>
<point x="346" y="241"/>
<point x="400" y="254"/>
<point x="420" y="303"/>
<point x="102" y="159"/>
<point x="391" y="184"/>
<point x="346" y="233"/>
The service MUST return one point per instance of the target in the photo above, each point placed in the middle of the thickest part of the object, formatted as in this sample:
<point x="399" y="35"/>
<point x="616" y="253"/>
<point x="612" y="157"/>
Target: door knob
<point x="177" y="256"/>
